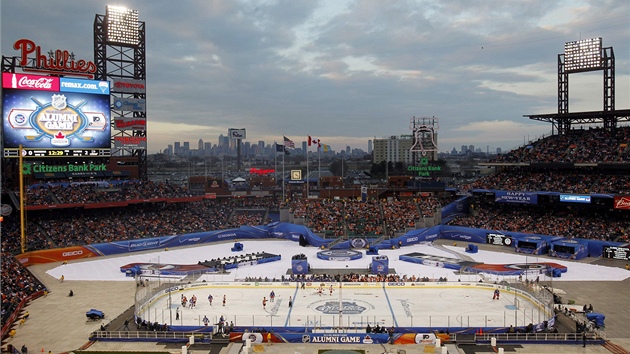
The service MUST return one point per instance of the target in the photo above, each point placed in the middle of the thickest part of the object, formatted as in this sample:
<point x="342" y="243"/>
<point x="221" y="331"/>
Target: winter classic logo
<point x="332" y="307"/>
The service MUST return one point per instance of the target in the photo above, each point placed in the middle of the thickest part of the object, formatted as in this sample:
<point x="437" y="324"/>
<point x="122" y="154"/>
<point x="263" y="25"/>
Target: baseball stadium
<point x="99" y="255"/>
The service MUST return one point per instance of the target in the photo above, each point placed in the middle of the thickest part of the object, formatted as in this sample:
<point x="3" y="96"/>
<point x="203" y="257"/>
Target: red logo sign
<point x="53" y="62"/>
<point x="622" y="202"/>
<point x="260" y="171"/>
<point x="30" y="82"/>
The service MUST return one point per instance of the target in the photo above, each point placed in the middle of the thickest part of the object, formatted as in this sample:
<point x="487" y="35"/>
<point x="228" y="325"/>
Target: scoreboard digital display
<point x="55" y="117"/>
<point x="8" y="152"/>
<point x="498" y="239"/>
<point x="615" y="252"/>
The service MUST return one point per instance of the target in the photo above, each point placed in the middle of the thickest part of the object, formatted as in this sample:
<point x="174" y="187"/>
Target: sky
<point x="347" y="71"/>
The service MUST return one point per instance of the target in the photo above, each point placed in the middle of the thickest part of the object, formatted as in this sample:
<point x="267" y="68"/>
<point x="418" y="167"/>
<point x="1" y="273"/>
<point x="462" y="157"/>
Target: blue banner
<point x="84" y="86"/>
<point x="515" y="197"/>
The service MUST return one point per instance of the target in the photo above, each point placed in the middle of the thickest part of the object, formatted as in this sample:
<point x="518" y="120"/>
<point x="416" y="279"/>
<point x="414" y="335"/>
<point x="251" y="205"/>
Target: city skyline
<point x="346" y="71"/>
<point x="300" y="147"/>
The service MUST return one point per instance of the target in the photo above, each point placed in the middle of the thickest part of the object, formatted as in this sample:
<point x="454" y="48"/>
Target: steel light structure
<point x="122" y="25"/>
<point x="583" y="55"/>
<point x="120" y="56"/>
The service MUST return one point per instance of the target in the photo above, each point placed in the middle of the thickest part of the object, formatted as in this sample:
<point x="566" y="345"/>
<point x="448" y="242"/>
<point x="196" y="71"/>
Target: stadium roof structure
<point x="590" y="117"/>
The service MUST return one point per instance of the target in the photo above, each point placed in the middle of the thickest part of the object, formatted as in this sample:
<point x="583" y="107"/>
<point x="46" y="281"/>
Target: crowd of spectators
<point x="101" y="192"/>
<point x="347" y="278"/>
<point x="566" y="221"/>
<point x="578" y="146"/>
<point x="363" y="218"/>
<point x="580" y="181"/>
<point x="17" y="285"/>
<point x="373" y="217"/>
<point x="400" y="215"/>
<point x="326" y="216"/>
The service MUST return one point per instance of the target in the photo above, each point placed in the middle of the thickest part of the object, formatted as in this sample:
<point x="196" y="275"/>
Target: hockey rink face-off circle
<point x="419" y="304"/>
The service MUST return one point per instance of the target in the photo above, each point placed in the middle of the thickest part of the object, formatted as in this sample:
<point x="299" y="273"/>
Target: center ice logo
<point x="332" y="308"/>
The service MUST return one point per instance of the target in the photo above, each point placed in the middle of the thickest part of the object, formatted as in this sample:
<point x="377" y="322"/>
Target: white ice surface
<point x="435" y="306"/>
<point x="108" y="268"/>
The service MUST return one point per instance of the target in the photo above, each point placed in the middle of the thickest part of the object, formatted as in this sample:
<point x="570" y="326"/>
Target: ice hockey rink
<point x="436" y="305"/>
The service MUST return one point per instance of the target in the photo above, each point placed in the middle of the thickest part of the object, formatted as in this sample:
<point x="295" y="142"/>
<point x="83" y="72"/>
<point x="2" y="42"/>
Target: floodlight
<point x="583" y="55"/>
<point x="122" y="25"/>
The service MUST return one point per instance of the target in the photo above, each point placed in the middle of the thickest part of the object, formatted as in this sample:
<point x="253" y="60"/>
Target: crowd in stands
<point x="577" y="146"/>
<point x="352" y="277"/>
<point x="17" y="284"/>
<point x="400" y="215"/>
<point x="101" y="192"/>
<point x="363" y="218"/>
<point x="373" y="217"/>
<point x="581" y="181"/>
<point x="571" y="222"/>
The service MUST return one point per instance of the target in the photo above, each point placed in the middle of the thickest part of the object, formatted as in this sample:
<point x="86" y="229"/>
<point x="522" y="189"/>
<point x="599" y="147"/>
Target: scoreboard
<point x="28" y="153"/>
<point x="498" y="239"/>
<point x="615" y="252"/>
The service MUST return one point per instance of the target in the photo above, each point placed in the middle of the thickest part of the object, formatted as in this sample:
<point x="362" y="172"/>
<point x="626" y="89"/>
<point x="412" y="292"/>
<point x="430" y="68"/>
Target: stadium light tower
<point x="120" y="57"/>
<point x="122" y="25"/>
<point x="583" y="55"/>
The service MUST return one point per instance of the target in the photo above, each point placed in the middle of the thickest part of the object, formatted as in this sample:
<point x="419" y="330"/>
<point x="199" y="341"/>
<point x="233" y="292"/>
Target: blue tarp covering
<point x="598" y="318"/>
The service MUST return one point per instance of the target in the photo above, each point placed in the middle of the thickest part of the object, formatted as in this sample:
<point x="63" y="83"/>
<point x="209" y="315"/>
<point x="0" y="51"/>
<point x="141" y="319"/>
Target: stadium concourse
<point x="57" y="322"/>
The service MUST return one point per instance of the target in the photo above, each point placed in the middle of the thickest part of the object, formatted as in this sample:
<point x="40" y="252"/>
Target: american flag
<point x="288" y="142"/>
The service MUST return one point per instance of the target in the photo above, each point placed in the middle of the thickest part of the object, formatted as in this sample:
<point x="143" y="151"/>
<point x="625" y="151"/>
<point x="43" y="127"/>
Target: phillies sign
<point x="52" y="62"/>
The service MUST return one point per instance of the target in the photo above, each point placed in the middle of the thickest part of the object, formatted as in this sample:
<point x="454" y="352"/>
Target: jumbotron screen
<point x="55" y="117"/>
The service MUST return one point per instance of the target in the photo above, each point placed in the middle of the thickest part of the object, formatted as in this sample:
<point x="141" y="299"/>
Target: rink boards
<point x="436" y="305"/>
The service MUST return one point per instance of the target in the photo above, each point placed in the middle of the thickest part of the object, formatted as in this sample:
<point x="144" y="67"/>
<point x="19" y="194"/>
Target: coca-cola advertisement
<point x="622" y="202"/>
<point x="30" y="82"/>
<point x="47" y="119"/>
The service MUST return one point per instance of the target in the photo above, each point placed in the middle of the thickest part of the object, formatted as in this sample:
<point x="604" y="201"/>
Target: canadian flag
<point x="313" y="141"/>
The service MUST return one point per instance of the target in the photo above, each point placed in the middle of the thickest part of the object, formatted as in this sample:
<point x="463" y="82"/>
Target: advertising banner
<point x="134" y="142"/>
<point x="130" y="104"/>
<point x="515" y="197"/>
<point x="135" y="123"/>
<point x="30" y="82"/>
<point x="128" y="86"/>
<point x="55" y="255"/>
<point x="572" y="198"/>
<point x="622" y="202"/>
<point x="84" y="86"/>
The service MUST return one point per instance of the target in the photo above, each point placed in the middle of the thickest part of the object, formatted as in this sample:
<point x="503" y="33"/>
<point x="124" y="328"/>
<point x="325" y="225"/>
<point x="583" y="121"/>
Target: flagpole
<point x="284" y="152"/>
<point x="319" y="163"/>
<point x="275" y="159"/>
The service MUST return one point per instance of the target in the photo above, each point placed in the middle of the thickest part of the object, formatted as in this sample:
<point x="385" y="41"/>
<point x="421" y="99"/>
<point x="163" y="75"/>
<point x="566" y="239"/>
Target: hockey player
<point x="496" y="294"/>
<point x="331" y="289"/>
<point x="224" y="300"/>
<point x="272" y="296"/>
<point x="210" y="299"/>
<point x="264" y="302"/>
